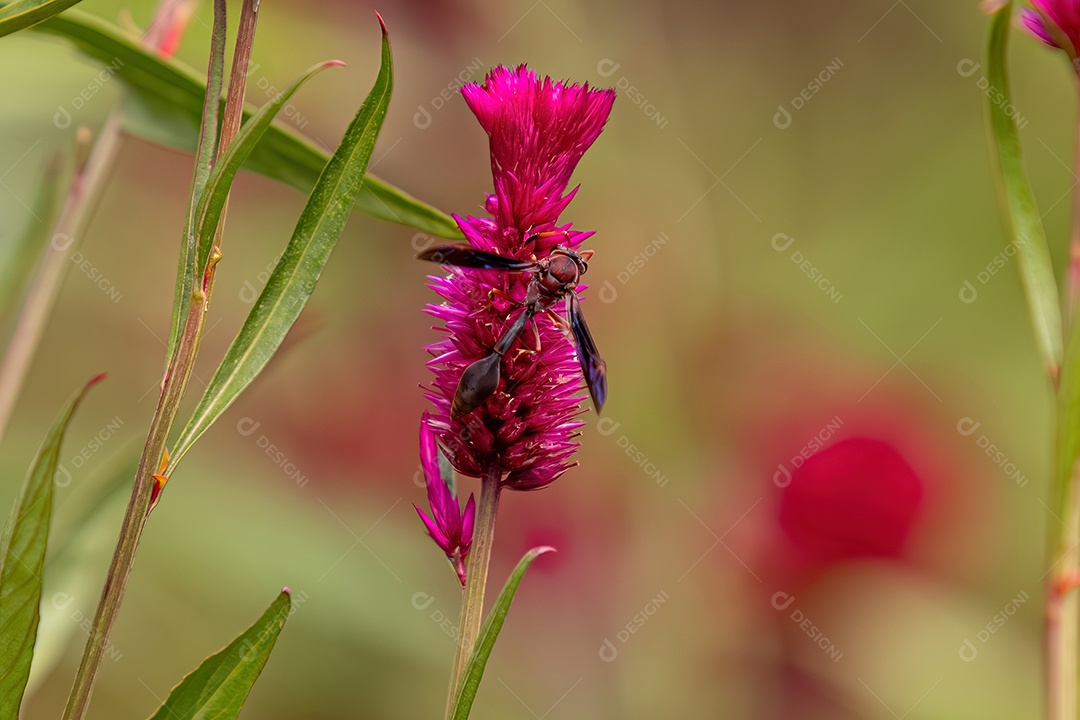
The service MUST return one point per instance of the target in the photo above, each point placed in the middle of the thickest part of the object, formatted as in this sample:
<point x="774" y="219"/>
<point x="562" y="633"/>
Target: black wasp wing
<point x="461" y="255"/>
<point x="593" y="366"/>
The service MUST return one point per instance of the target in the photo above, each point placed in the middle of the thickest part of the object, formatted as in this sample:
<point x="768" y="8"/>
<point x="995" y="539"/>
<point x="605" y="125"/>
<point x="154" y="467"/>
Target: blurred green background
<point x="789" y="199"/>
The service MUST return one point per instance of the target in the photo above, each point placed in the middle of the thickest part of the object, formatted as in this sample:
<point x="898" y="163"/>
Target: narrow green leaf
<point x="216" y="191"/>
<point x="79" y="547"/>
<point x="23" y="556"/>
<point x="1068" y="434"/>
<point x="1021" y="213"/>
<point x="218" y="688"/>
<point x="205" y="155"/>
<point x="293" y="280"/>
<point x="166" y="107"/>
<point x="22" y="14"/>
<point x="470" y="682"/>
<point x="17" y="258"/>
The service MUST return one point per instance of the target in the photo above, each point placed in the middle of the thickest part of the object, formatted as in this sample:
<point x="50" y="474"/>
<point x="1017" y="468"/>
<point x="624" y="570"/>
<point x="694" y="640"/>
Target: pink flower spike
<point x="538" y="131"/>
<point x="447" y="525"/>
<point x="508" y="380"/>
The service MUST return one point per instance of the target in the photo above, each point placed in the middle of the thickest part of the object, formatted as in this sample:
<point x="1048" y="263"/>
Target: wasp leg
<point x="561" y="324"/>
<point x="481" y="378"/>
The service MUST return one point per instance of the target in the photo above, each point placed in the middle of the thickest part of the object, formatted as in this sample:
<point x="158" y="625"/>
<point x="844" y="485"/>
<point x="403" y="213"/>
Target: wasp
<point x="554" y="278"/>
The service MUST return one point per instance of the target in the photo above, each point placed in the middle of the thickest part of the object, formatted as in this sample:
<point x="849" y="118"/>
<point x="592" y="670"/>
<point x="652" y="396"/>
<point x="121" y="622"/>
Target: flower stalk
<point x="1062" y="618"/>
<point x="1073" y="269"/>
<point x="472" y="600"/>
<point x="508" y="380"/>
<point x="86" y="187"/>
<point x="173" y="385"/>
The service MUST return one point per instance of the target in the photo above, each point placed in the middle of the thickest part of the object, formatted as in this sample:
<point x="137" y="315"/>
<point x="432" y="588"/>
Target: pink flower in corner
<point x="524" y="430"/>
<point x="448" y="526"/>
<point x="1056" y="23"/>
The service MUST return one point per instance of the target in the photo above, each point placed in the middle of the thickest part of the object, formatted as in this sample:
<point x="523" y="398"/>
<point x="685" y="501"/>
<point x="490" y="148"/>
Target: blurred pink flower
<point x="1056" y="23"/>
<point x="524" y="430"/>
<point x="448" y="526"/>
<point x="858" y="498"/>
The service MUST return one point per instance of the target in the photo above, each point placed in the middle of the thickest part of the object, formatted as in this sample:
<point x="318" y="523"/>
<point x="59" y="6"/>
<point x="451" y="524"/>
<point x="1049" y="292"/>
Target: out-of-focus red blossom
<point x="168" y="26"/>
<point x="1056" y="23"/>
<point x="856" y="499"/>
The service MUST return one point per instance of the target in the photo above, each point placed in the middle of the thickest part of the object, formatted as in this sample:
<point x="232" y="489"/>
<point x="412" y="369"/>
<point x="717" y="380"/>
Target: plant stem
<point x="472" y="601"/>
<point x="173" y="385"/>
<point x="1062" y="622"/>
<point x="1072" y="282"/>
<point x="1062" y="629"/>
<point x="234" y="103"/>
<point x="86" y="188"/>
<point x="134" y="518"/>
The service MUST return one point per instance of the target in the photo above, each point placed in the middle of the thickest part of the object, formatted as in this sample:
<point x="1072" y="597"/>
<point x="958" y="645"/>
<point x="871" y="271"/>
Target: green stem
<point x="1062" y="629"/>
<point x="173" y="385"/>
<point x="131" y="530"/>
<point x="1072" y="281"/>
<point x="86" y="188"/>
<point x="1062" y="622"/>
<point x="472" y="602"/>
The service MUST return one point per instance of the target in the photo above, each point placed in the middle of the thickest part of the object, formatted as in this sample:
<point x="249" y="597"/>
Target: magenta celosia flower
<point x="524" y="431"/>
<point x="1056" y="23"/>
<point x="448" y="526"/>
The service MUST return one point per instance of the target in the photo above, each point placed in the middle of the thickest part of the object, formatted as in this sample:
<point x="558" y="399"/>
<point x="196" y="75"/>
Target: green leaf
<point x="80" y="545"/>
<point x="205" y="155"/>
<point x="294" y="278"/>
<point x="22" y="14"/>
<point x="216" y="191"/>
<point x="218" y="688"/>
<point x="17" y="258"/>
<point x="23" y="556"/>
<point x="1021" y="213"/>
<point x="470" y="682"/>
<point x="166" y="108"/>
